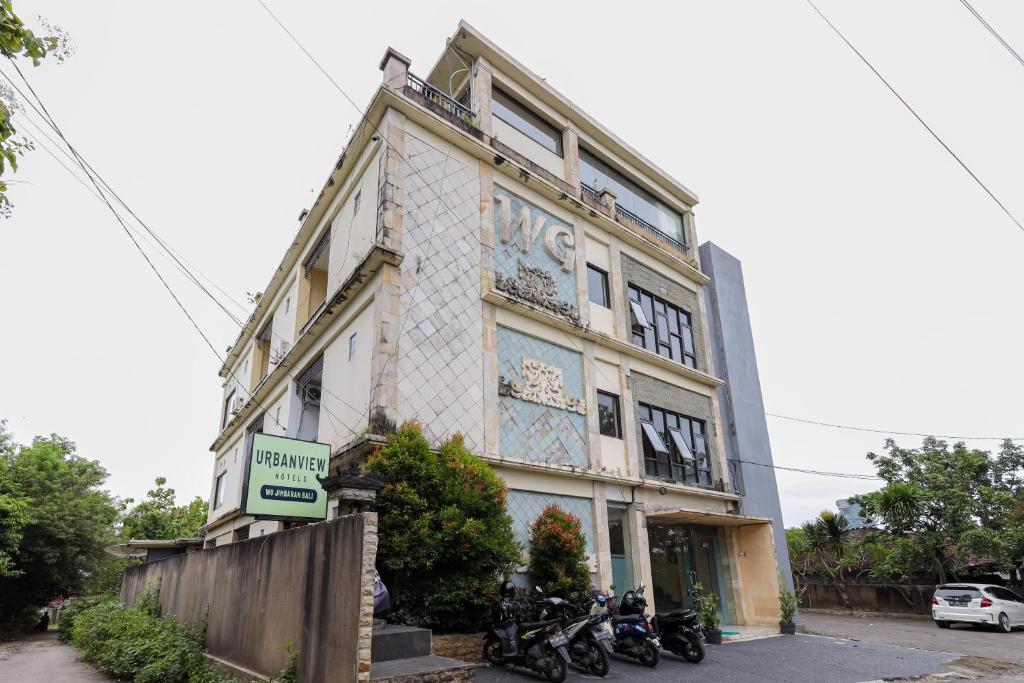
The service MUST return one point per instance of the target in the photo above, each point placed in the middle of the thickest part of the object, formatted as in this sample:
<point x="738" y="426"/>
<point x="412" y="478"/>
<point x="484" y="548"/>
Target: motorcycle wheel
<point x="650" y="656"/>
<point x="559" y="670"/>
<point x="601" y="664"/>
<point x="492" y="650"/>
<point x="693" y="650"/>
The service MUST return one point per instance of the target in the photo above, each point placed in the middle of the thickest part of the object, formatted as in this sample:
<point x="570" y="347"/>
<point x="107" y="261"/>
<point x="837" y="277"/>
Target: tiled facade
<point x="532" y="431"/>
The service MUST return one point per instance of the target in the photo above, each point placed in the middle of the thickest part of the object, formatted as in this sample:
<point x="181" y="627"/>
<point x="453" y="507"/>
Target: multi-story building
<point x="488" y="259"/>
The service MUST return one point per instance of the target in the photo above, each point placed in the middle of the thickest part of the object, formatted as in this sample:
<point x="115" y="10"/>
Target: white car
<point x="977" y="603"/>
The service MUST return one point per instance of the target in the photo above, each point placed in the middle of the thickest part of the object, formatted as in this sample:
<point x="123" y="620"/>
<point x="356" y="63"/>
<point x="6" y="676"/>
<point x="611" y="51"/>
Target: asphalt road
<point x="921" y="633"/>
<point x="769" y="660"/>
<point x="41" y="658"/>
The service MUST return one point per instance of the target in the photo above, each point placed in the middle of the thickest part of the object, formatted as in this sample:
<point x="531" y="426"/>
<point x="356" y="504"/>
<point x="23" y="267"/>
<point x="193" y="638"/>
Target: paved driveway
<point x="42" y="658"/>
<point x="770" y="660"/>
<point x="964" y="640"/>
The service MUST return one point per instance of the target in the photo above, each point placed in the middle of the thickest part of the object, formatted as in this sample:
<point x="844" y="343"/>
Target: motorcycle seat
<point x="627" y="619"/>
<point x="530" y="625"/>
<point x="678" y="614"/>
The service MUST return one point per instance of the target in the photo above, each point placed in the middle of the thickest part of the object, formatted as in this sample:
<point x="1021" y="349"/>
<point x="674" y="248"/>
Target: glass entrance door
<point x="619" y="543"/>
<point x="681" y="556"/>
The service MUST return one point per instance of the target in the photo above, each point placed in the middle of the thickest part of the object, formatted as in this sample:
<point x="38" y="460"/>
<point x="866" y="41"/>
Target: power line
<point x="838" y="475"/>
<point x="893" y="431"/>
<point x="995" y="34"/>
<point x="920" y="120"/>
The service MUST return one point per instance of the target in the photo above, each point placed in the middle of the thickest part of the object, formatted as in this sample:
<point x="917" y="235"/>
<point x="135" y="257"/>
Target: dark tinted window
<point x="597" y="286"/>
<point x="526" y="122"/>
<point x="685" y="457"/>
<point x="608" y="414"/>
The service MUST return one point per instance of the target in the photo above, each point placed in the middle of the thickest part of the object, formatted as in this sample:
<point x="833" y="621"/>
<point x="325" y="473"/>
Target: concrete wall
<point x="311" y="586"/>
<point x="745" y="427"/>
<point x="913" y="599"/>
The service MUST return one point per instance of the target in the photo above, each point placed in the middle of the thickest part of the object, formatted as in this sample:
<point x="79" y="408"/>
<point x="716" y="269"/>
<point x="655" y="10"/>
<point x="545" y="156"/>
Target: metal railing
<point x="435" y="96"/>
<point x="627" y="216"/>
<point x="630" y="217"/>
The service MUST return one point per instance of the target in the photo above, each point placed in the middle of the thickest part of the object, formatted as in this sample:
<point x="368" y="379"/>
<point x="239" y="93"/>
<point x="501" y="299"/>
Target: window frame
<point x="526" y="121"/>
<point x="678" y="344"/>
<point x="219" y="488"/>
<point x="616" y="410"/>
<point x="606" y="293"/>
<point x="353" y="346"/>
<point x="227" y="408"/>
<point x="692" y="466"/>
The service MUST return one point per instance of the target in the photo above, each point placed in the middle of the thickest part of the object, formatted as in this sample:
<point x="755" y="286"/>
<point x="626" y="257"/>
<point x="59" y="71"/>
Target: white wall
<point x="352" y="234"/>
<point x="347" y="382"/>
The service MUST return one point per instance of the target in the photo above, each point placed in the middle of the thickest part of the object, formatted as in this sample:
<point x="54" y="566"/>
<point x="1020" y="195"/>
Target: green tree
<point x="558" y="555"/>
<point x="445" y="536"/>
<point x="158" y="516"/>
<point x="825" y="547"/>
<point x="68" y="518"/>
<point x="943" y="502"/>
<point x="16" y="40"/>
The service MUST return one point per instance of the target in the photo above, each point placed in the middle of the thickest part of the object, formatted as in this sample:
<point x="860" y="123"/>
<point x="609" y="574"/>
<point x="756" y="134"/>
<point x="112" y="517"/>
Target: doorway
<point x="682" y="556"/>
<point x="619" y="543"/>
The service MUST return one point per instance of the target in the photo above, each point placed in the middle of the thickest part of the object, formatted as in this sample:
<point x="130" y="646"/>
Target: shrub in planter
<point x="446" y="539"/>
<point x="558" y="555"/>
<point x="706" y="607"/>
<point x="787" y="609"/>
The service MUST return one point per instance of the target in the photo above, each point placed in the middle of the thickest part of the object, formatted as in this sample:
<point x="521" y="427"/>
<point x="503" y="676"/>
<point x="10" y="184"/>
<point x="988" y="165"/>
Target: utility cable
<point x="995" y="34"/>
<point x="920" y="120"/>
<point x="893" y="431"/>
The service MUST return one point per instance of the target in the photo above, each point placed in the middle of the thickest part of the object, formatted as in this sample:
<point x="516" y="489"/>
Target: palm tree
<point x="828" y="540"/>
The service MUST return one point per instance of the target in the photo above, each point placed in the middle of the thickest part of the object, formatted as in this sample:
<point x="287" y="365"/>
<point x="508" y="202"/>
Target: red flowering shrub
<point x="558" y="555"/>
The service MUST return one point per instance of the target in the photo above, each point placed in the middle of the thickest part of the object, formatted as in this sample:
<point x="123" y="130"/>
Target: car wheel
<point x="1004" y="623"/>
<point x="942" y="624"/>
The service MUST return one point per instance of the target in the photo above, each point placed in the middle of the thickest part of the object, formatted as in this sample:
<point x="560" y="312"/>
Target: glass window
<point x="352" y="346"/>
<point x="598" y="175"/>
<point x="526" y="122"/>
<point x="653" y="438"/>
<point x="608" y="414"/>
<point x="680" y="444"/>
<point x="670" y="336"/>
<point x="218" y="491"/>
<point x="685" y="458"/>
<point x="597" y="286"/>
<point x="227" y="409"/>
<point x="357" y="202"/>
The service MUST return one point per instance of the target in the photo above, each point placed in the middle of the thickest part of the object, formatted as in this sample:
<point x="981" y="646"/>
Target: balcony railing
<point x="439" y="99"/>
<point x="630" y="217"/>
<point x="627" y="216"/>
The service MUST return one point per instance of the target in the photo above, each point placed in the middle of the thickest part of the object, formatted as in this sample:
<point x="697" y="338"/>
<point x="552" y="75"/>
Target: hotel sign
<point x="281" y="479"/>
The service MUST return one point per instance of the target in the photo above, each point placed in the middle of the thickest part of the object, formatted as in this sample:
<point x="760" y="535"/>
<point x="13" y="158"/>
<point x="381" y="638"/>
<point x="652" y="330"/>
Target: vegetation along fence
<point x="909" y="599"/>
<point x="311" y="587"/>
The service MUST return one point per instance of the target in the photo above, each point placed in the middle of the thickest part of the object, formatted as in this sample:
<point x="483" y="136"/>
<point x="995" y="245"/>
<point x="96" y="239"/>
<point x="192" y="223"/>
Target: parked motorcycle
<point x="589" y="643"/>
<point x="634" y="635"/>
<point x="540" y="646"/>
<point x="681" y="633"/>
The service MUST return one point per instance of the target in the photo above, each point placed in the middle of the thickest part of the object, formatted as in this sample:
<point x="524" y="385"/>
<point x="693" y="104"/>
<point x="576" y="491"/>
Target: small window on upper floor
<point x="526" y="122"/>
<point x="357" y="202"/>
<point x="218" y="490"/>
<point x="597" y="286"/>
<point x="608" y="414"/>
<point x="227" y="409"/>
<point x="352" y="346"/>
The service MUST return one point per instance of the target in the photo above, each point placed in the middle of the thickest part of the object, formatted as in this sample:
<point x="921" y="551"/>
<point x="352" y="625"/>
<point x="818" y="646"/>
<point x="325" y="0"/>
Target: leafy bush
<point x="787" y="603"/>
<point x="72" y="608"/>
<point x="558" y="555"/>
<point x="706" y="604"/>
<point x="445" y="536"/>
<point x="135" y="643"/>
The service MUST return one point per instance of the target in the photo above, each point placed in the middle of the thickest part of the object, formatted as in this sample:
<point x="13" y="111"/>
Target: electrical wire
<point x="838" y="475"/>
<point x="995" y="34"/>
<point x="893" y="431"/>
<point x="919" y="119"/>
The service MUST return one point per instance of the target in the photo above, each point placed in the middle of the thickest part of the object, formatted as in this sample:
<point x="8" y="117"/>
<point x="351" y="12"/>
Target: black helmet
<point x="507" y="589"/>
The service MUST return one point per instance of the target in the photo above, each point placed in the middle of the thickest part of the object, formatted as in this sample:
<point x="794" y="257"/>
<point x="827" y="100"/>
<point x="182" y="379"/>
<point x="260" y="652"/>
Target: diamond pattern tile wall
<point x="531" y="431"/>
<point x="440" y="351"/>
<point x="525" y="506"/>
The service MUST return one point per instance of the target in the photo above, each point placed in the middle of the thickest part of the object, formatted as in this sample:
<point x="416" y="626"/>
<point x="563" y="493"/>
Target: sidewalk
<point x="41" y="658"/>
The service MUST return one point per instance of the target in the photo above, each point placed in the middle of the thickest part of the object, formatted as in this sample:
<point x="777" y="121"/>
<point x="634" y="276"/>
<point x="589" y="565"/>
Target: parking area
<point x="920" y="633"/>
<point x="778" y="659"/>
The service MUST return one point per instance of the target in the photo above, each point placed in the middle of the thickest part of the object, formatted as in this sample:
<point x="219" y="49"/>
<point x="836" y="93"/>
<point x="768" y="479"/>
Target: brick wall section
<point x="466" y="647"/>
<point x="635" y="273"/>
<point x="670" y="397"/>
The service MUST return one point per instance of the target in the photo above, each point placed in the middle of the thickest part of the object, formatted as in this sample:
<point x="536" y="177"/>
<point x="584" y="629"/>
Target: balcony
<point x="627" y="217"/>
<point x="446" y="107"/>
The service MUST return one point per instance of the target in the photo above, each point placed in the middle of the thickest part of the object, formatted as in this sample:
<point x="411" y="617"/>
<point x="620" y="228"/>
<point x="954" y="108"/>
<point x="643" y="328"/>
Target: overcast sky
<point x="883" y="283"/>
